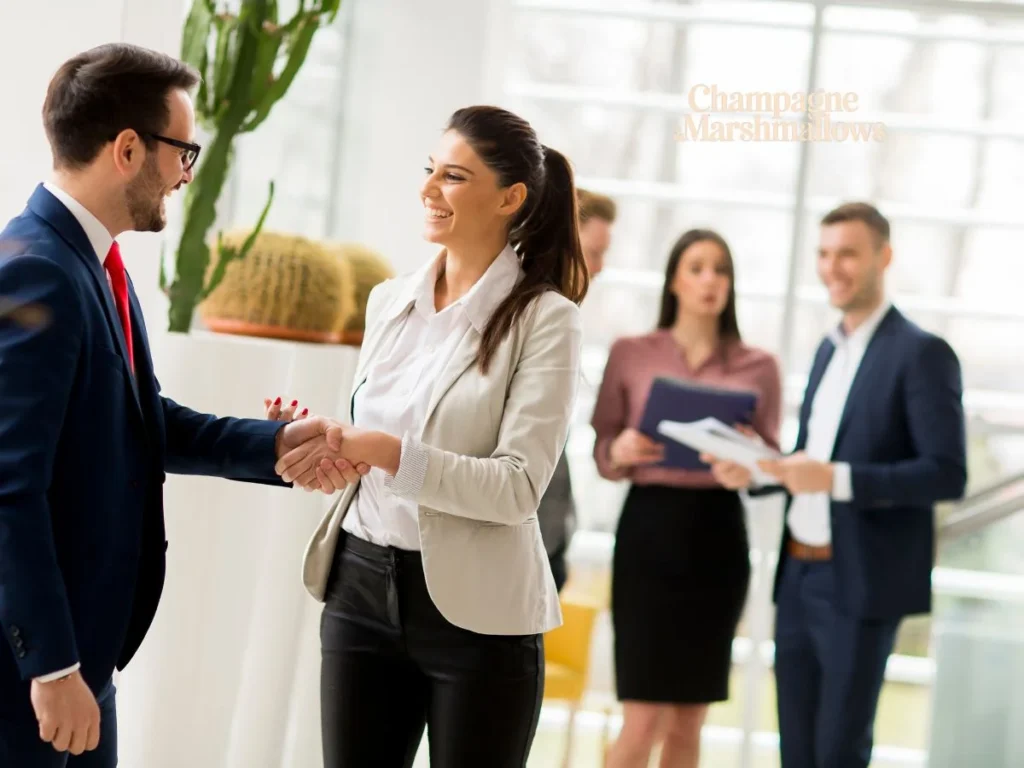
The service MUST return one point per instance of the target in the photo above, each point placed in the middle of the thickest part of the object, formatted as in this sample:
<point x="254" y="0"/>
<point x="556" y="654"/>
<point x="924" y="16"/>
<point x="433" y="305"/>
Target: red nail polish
<point x="294" y="403"/>
<point x="278" y="401"/>
<point x="305" y="411"/>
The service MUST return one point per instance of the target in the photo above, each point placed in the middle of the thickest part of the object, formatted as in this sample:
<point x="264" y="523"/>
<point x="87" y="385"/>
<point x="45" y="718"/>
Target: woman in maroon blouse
<point x="681" y="565"/>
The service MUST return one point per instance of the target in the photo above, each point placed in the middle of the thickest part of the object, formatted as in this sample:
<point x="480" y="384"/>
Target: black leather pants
<point x="392" y="665"/>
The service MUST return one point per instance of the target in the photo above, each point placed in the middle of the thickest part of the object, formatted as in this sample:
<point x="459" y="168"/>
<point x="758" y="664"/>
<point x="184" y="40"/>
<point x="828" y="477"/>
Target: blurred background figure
<point x="597" y="215"/>
<point x="557" y="512"/>
<point x="681" y="565"/>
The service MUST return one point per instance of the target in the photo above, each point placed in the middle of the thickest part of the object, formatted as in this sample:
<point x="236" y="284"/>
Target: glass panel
<point x="918" y="76"/>
<point x="617" y="53"/>
<point x="720" y="55"/>
<point x="977" y="705"/>
<point x="606" y="142"/>
<point x="901" y="168"/>
<point x="724" y="167"/>
<point x="644" y="233"/>
<point x="991" y="352"/>
<point x="596" y="52"/>
<point x="992" y="272"/>
<point x="295" y="146"/>
<point x="997" y="548"/>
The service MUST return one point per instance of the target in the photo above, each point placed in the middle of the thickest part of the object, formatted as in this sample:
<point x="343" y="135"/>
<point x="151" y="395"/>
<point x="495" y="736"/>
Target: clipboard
<point x="672" y="399"/>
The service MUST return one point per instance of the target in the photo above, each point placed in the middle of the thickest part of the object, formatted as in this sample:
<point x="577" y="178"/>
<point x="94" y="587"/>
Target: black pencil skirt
<point x="681" y="572"/>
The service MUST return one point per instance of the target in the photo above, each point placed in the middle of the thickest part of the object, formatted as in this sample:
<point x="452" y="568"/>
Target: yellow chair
<point x="567" y="659"/>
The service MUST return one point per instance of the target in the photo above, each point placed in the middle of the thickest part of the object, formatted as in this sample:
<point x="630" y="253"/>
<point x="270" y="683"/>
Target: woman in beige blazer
<point x="434" y="576"/>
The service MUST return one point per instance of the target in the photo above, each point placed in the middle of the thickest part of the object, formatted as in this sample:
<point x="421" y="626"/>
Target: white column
<point x="410" y="65"/>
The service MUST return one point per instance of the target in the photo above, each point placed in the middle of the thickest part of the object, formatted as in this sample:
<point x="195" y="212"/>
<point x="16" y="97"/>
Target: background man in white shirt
<point x="557" y="512"/>
<point x="881" y="440"/>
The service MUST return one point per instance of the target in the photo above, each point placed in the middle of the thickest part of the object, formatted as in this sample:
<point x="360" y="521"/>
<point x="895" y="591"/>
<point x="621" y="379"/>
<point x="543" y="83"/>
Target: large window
<point x="298" y="146"/>
<point x="608" y="82"/>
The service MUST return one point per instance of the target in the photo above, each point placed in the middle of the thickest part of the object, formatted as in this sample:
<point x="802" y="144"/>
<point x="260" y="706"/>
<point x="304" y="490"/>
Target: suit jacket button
<point x="15" y="632"/>
<point x="22" y="654"/>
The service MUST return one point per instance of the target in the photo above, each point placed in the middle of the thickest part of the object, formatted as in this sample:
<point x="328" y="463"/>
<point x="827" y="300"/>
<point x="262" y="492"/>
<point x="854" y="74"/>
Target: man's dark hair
<point x="103" y="91"/>
<point x="865" y="212"/>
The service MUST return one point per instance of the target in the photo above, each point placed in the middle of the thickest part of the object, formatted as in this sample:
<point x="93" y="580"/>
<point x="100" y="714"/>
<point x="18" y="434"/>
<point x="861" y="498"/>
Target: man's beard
<point x="145" y="197"/>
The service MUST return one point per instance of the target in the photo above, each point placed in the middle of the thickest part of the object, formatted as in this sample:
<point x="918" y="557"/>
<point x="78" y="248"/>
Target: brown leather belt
<point x="799" y="551"/>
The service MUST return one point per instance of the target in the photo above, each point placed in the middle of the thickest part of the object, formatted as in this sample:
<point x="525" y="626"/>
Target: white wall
<point x="34" y="47"/>
<point x="410" y="66"/>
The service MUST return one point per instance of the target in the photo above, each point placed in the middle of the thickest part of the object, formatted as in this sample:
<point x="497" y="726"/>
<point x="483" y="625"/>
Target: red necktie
<point x="119" y="283"/>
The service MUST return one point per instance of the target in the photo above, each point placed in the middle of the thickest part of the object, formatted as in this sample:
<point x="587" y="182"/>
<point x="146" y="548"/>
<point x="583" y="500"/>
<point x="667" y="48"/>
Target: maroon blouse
<point x="634" y="363"/>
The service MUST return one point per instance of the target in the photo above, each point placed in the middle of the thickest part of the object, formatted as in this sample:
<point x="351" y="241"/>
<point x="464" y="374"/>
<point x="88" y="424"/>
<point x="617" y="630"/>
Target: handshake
<point x="321" y="454"/>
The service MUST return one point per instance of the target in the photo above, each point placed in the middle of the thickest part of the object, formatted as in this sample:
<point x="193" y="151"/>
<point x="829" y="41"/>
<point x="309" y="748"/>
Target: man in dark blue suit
<point x="85" y="436"/>
<point x="881" y="440"/>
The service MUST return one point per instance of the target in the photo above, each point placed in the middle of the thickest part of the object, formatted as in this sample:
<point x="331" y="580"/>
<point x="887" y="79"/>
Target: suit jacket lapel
<point x="821" y="361"/>
<point x="373" y="342"/>
<point x="49" y="208"/>
<point x="873" y="355"/>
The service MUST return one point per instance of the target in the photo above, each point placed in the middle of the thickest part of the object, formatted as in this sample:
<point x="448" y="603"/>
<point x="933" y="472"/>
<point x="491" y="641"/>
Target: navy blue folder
<point x="678" y="400"/>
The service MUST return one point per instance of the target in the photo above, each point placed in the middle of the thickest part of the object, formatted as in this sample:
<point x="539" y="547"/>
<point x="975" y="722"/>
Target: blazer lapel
<point x="873" y="355"/>
<point x="821" y="361"/>
<point x="373" y="342"/>
<point x="463" y="357"/>
<point x="50" y="209"/>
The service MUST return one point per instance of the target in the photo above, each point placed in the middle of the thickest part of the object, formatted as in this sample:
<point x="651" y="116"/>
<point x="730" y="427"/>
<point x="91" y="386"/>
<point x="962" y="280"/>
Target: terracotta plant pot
<point x="243" y="328"/>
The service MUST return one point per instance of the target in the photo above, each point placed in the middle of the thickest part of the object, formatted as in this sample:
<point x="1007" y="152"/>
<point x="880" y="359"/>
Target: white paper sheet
<point x="712" y="436"/>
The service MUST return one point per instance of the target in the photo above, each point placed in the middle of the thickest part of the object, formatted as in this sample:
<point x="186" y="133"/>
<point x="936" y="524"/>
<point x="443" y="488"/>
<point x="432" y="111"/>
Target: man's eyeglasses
<point x="190" y="152"/>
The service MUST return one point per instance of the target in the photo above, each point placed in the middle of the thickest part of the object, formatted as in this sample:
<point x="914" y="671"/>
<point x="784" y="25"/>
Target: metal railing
<point x="984" y="508"/>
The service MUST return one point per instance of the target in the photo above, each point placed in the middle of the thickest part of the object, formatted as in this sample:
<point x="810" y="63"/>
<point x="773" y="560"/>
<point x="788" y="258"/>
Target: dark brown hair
<point x="544" y="233"/>
<point x="593" y="205"/>
<point x="864" y="212"/>
<point x="728" y="325"/>
<point x="103" y="91"/>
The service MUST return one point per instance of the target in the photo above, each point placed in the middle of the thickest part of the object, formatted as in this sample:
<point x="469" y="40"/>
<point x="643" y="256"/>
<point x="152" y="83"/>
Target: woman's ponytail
<point x="545" y="233"/>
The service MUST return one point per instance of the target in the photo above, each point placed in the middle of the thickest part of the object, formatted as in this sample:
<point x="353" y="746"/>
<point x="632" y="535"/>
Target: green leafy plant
<point x="247" y="60"/>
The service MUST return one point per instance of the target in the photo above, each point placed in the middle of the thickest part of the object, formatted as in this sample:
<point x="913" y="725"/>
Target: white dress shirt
<point x="809" y="516"/>
<point x="397" y="390"/>
<point x="101" y="240"/>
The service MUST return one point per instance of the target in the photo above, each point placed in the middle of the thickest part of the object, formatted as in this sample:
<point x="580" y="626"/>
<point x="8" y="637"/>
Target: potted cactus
<point x="248" y="59"/>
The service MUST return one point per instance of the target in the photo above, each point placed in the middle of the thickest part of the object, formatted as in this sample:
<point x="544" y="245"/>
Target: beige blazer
<point x="492" y="445"/>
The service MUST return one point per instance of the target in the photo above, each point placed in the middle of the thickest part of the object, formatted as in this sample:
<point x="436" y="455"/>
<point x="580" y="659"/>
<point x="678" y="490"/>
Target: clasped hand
<point x="309" y="449"/>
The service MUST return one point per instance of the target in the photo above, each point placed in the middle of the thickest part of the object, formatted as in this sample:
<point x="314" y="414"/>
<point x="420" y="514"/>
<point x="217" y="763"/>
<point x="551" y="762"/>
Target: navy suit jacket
<point x="84" y="448"/>
<point x="903" y="434"/>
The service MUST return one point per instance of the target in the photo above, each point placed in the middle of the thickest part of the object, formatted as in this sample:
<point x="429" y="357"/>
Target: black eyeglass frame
<point x="194" y="148"/>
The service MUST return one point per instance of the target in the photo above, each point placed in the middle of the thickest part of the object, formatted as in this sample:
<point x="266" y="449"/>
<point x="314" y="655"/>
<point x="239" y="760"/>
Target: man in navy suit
<point x="881" y="440"/>
<point x="85" y="436"/>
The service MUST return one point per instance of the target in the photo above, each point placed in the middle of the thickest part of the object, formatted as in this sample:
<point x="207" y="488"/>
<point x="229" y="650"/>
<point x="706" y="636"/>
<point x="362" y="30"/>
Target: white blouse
<point x="396" y="392"/>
